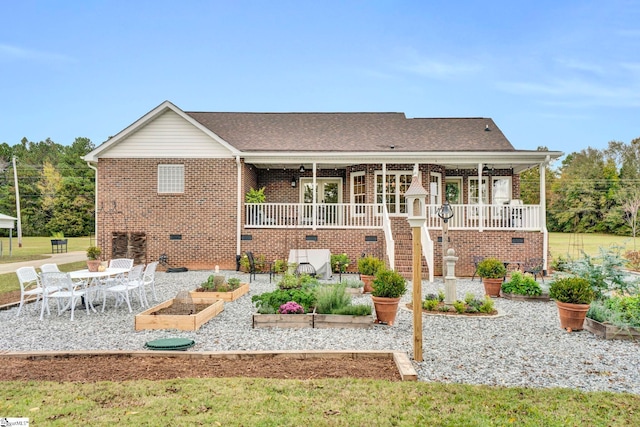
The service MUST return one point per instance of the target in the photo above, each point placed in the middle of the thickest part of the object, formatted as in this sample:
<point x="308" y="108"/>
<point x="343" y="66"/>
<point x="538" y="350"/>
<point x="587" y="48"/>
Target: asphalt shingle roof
<point x="352" y="132"/>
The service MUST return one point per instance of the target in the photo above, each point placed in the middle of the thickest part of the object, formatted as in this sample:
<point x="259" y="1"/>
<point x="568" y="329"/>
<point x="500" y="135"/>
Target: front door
<point x="329" y="192"/>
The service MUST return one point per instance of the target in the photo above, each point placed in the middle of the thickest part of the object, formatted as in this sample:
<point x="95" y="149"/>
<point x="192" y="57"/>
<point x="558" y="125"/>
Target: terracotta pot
<point x="386" y="309"/>
<point x="572" y="315"/>
<point x="492" y="286"/>
<point x="368" y="283"/>
<point x="93" y="265"/>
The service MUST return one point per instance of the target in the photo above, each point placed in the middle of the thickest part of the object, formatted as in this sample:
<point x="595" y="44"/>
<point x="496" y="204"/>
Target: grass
<point x="269" y="402"/>
<point x="37" y="248"/>
<point x="571" y="244"/>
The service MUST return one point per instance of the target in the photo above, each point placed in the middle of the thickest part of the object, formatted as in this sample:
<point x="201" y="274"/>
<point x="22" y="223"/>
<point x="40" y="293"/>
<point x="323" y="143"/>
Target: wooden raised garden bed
<point x="184" y="322"/>
<point x="610" y="332"/>
<point x="311" y="320"/>
<point x="327" y="321"/>
<point x="283" y="320"/>
<point x="225" y="296"/>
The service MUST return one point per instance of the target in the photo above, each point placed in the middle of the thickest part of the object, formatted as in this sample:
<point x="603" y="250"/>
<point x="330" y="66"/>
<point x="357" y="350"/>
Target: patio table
<point x="92" y="278"/>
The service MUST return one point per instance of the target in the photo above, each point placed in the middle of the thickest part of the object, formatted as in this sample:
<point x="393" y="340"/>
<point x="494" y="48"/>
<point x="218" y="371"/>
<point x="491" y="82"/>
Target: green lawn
<point x="35" y="248"/>
<point x="330" y="402"/>
<point x="572" y="244"/>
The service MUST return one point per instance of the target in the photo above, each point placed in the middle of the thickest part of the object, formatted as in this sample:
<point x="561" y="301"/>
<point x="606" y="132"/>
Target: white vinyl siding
<point x="168" y="136"/>
<point x="170" y="179"/>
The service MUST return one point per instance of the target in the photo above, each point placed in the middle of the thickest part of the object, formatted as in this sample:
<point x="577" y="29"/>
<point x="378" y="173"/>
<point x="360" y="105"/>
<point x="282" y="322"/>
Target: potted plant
<point x="93" y="255"/>
<point x="340" y="262"/>
<point x="388" y="288"/>
<point x="368" y="266"/>
<point x="573" y="295"/>
<point x="492" y="271"/>
<point x="523" y="287"/>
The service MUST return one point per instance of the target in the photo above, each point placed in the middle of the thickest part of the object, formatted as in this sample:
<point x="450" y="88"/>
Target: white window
<point x="474" y="193"/>
<point x="397" y="183"/>
<point x="358" y="192"/>
<point x="170" y="179"/>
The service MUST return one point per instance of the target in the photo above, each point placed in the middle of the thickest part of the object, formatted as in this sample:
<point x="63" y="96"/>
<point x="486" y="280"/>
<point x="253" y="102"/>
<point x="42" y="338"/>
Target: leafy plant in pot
<point x="573" y="295"/>
<point x="93" y="255"/>
<point x="388" y="288"/>
<point x="368" y="266"/>
<point x="492" y="271"/>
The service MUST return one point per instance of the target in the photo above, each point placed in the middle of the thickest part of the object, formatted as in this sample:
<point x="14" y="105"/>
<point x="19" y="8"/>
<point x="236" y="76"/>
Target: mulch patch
<point x="86" y="369"/>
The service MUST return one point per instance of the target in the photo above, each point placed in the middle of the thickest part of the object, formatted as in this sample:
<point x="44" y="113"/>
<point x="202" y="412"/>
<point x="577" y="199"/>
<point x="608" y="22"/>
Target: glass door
<point x="329" y="192"/>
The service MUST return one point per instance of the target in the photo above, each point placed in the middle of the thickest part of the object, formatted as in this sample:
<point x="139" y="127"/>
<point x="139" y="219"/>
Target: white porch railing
<point x="389" y="242"/>
<point x="347" y="215"/>
<point x="488" y="217"/>
<point x="301" y="215"/>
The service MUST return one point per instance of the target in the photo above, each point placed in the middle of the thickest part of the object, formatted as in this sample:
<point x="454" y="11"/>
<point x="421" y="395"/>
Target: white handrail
<point x="427" y="249"/>
<point x="388" y="237"/>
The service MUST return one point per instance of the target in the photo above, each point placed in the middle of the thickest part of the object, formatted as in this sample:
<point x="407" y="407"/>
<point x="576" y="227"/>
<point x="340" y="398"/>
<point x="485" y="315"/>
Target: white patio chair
<point x="29" y="285"/>
<point x="48" y="268"/>
<point x="112" y="281"/>
<point x="59" y="286"/>
<point x="123" y="286"/>
<point x="149" y="279"/>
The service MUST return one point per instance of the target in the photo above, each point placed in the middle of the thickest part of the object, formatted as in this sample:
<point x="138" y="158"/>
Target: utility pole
<point x="15" y="179"/>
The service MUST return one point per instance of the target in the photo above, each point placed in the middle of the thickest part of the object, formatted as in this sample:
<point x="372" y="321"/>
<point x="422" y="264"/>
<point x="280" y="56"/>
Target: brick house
<point x="179" y="179"/>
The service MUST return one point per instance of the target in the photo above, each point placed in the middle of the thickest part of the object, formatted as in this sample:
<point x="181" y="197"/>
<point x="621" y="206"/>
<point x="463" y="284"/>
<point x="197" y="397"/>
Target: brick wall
<point x="205" y="215"/>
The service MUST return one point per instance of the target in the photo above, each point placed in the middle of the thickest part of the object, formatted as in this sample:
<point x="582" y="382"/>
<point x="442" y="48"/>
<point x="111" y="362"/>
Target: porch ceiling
<point x="518" y="160"/>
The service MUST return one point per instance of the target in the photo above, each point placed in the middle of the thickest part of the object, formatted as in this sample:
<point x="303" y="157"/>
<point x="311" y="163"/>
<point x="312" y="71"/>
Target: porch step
<point x="404" y="254"/>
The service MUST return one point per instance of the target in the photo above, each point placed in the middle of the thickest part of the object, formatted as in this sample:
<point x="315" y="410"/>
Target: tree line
<point x="591" y="191"/>
<point x="56" y="187"/>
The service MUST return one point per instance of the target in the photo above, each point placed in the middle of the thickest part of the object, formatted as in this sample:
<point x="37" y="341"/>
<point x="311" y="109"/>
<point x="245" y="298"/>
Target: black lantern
<point x="293" y="181"/>
<point x="445" y="212"/>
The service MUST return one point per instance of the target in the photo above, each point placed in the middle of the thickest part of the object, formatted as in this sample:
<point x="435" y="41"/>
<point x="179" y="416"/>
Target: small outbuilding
<point x="9" y="222"/>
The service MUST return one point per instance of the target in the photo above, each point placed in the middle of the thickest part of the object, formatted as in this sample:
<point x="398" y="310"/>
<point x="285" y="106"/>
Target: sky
<point x="559" y="74"/>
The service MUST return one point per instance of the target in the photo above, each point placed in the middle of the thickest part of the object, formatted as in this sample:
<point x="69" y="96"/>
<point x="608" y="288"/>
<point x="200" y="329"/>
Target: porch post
<point x="315" y="198"/>
<point x="480" y="200"/>
<point x="543" y="214"/>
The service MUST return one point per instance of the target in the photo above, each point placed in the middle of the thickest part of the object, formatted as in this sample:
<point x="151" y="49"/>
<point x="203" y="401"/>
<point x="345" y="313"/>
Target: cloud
<point x="18" y="53"/>
<point x="437" y="68"/>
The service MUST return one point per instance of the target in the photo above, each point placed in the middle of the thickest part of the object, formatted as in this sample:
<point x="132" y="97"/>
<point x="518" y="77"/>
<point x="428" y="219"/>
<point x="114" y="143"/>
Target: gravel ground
<point x="523" y="346"/>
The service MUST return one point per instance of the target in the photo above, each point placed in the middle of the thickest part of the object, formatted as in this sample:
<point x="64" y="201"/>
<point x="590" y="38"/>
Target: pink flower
<point x="291" y="307"/>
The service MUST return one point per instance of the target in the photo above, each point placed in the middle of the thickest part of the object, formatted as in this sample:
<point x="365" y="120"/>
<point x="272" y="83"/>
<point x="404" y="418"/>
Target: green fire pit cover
<point x="170" y="344"/>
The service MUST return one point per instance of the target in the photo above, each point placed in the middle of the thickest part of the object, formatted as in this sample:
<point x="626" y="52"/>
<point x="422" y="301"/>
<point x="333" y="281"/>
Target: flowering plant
<point x="291" y="307"/>
<point x="340" y="262"/>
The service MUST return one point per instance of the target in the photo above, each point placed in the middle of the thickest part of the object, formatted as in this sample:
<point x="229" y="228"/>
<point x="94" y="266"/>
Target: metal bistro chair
<point x="253" y="270"/>
<point x="476" y="261"/>
<point x="534" y="266"/>
<point x="29" y="285"/>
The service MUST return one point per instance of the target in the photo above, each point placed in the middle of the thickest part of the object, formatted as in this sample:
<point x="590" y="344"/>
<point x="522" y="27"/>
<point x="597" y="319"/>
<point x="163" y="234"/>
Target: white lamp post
<point x="446" y="213"/>
<point x="416" y="197"/>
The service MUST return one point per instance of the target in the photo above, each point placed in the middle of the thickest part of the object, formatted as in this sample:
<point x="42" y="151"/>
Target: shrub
<point x="271" y="301"/>
<point x="487" y="305"/>
<point x="234" y="283"/>
<point x="430" y="304"/>
<point x="369" y="265"/>
<point x="354" y="310"/>
<point x="280" y="266"/>
<point x="330" y="298"/>
<point x="389" y="284"/>
<point x="340" y="262"/>
<point x="521" y="285"/>
<point x="491" y="268"/>
<point x="633" y="260"/>
<point x="572" y="290"/>
<point x="459" y="306"/>
<point x="353" y="283"/>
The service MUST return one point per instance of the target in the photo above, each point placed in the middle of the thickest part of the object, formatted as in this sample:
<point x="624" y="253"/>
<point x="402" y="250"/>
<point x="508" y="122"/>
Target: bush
<point x="430" y="304"/>
<point x="340" y="262"/>
<point x="330" y="298"/>
<point x="521" y="285"/>
<point x="571" y="290"/>
<point x="370" y="265"/>
<point x="389" y="284"/>
<point x="354" y="310"/>
<point x="491" y="268"/>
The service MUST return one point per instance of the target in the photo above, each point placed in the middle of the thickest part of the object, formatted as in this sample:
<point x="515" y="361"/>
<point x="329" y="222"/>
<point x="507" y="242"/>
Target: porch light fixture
<point x="293" y="181"/>
<point x="302" y="169"/>
<point x="486" y="170"/>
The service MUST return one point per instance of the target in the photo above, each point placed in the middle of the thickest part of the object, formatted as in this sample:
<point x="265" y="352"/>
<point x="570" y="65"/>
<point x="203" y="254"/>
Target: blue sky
<point x="565" y="75"/>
